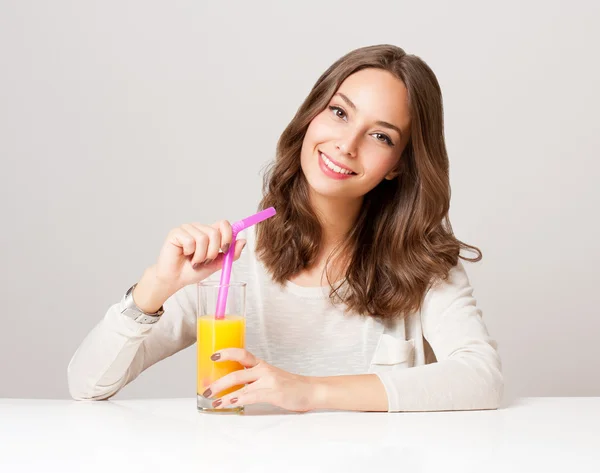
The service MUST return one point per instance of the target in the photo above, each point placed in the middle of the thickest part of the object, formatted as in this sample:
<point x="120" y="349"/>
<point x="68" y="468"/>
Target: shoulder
<point x="446" y="292"/>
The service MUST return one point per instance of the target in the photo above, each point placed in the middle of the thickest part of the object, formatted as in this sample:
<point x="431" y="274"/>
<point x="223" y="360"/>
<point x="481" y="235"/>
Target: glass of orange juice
<point x="216" y="334"/>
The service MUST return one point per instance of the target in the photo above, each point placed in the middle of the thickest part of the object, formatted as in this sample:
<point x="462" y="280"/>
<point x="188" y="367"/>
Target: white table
<point x="169" y="435"/>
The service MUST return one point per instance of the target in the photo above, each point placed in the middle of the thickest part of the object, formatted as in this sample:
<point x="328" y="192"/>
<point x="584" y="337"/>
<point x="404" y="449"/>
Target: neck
<point x="337" y="216"/>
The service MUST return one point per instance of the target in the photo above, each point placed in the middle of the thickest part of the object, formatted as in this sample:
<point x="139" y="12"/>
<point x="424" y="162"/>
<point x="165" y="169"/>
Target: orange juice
<point x="213" y="335"/>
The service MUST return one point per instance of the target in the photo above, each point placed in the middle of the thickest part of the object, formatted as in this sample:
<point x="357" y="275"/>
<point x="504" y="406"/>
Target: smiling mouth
<point x="334" y="167"/>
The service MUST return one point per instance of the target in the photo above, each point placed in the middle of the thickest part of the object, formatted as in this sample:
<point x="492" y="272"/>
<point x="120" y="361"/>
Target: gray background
<point x="120" y="120"/>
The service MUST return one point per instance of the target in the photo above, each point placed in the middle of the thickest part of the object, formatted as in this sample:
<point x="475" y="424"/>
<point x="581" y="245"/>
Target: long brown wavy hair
<point x="402" y="240"/>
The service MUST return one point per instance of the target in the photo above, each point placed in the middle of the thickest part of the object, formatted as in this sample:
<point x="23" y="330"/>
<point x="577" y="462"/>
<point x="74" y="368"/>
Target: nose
<point x="348" y="144"/>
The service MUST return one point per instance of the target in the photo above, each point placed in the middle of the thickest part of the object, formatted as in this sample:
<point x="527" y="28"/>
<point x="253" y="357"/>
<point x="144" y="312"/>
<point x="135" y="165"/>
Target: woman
<point x="357" y="299"/>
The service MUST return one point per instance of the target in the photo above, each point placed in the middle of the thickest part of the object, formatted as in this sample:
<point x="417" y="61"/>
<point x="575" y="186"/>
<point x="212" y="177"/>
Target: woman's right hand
<point x="191" y="253"/>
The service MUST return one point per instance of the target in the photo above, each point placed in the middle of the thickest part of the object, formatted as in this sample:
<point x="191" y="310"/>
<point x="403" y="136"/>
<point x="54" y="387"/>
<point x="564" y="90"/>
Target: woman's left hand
<point x="265" y="383"/>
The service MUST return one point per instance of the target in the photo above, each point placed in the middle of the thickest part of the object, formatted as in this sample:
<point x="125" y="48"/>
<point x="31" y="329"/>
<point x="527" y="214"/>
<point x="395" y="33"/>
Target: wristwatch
<point x="130" y="309"/>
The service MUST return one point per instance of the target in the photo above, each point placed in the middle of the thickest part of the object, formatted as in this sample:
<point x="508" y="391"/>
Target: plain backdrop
<point x="120" y="120"/>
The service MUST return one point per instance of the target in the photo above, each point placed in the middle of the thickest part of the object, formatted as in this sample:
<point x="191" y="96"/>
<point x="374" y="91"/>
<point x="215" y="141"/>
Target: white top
<point x="531" y="435"/>
<point x="298" y="329"/>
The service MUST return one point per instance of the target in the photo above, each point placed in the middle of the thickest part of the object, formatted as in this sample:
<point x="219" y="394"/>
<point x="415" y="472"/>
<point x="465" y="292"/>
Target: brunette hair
<point x="402" y="240"/>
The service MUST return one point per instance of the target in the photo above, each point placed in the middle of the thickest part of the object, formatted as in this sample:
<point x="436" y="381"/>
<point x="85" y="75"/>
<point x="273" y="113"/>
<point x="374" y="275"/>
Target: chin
<point x="327" y="192"/>
<point x="325" y="189"/>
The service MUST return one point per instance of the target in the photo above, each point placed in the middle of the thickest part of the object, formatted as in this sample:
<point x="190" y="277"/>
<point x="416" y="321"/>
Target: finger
<point x="241" y="355"/>
<point x="214" y="240"/>
<point x="226" y="234"/>
<point x="201" y="240"/>
<point x="239" y="247"/>
<point x="179" y="237"/>
<point x="235" y="378"/>
<point x="218" y="262"/>
<point x="245" y="397"/>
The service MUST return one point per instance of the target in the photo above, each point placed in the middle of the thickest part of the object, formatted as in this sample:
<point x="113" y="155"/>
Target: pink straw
<point x="228" y="260"/>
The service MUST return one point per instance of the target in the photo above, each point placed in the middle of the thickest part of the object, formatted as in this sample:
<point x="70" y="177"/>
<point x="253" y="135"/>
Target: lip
<point x="334" y="161"/>
<point x="334" y="175"/>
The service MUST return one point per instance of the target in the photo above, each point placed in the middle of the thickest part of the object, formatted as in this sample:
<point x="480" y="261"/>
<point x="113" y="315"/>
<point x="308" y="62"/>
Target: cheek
<point x="319" y="130"/>
<point x="378" y="166"/>
<point x="316" y="134"/>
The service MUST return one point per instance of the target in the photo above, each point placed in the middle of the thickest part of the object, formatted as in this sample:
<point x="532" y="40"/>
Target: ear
<point x="394" y="173"/>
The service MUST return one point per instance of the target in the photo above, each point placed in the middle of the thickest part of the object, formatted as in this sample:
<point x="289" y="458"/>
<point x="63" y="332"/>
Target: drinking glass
<point x="216" y="334"/>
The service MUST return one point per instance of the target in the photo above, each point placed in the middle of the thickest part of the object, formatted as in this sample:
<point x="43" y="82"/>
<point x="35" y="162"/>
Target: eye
<point x="385" y="140"/>
<point x="335" y="109"/>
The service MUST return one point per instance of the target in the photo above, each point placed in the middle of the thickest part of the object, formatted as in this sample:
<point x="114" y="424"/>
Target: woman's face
<point x="363" y="129"/>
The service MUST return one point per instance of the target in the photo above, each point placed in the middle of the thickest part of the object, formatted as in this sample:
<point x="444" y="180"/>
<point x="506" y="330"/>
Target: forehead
<point x="378" y="95"/>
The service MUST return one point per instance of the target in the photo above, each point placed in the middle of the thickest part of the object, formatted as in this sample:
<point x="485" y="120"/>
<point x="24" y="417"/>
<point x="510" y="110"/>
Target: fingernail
<point x="233" y="400"/>
<point x="207" y="393"/>
<point x="208" y="261"/>
<point x="196" y="266"/>
<point x="215" y="357"/>
<point x="243" y="246"/>
<point x="217" y="403"/>
<point x="226" y="248"/>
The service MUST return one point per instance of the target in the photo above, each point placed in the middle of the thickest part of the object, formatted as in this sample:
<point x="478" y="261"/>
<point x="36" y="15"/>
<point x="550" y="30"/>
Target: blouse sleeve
<point x="468" y="373"/>
<point x="118" y="349"/>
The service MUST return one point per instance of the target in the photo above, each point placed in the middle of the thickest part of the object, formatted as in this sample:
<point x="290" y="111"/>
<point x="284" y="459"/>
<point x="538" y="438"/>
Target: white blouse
<point x="439" y="358"/>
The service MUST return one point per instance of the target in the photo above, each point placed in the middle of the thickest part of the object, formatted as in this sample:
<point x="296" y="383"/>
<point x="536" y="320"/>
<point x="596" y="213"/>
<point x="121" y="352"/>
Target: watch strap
<point x="131" y="310"/>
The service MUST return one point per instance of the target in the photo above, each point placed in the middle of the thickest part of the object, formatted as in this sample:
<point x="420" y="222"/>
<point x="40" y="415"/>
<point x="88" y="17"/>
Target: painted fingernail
<point x="208" y="261"/>
<point x="215" y="357"/>
<point x="217" y="403"/>
<point x="207" y="393"/>
<point x="226" y="247"/>
<point x="233" y="400"/>
<point x="196" y="267"/>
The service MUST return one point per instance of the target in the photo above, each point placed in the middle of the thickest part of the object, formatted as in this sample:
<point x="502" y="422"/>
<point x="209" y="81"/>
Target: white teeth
<point x="334" y="167"/>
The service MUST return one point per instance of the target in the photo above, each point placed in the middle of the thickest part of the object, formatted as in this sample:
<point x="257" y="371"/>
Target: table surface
<point x="169" y="435"/>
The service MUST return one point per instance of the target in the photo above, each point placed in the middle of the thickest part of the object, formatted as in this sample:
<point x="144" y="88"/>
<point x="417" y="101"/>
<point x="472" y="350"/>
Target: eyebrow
<point x="379" y="122"/>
